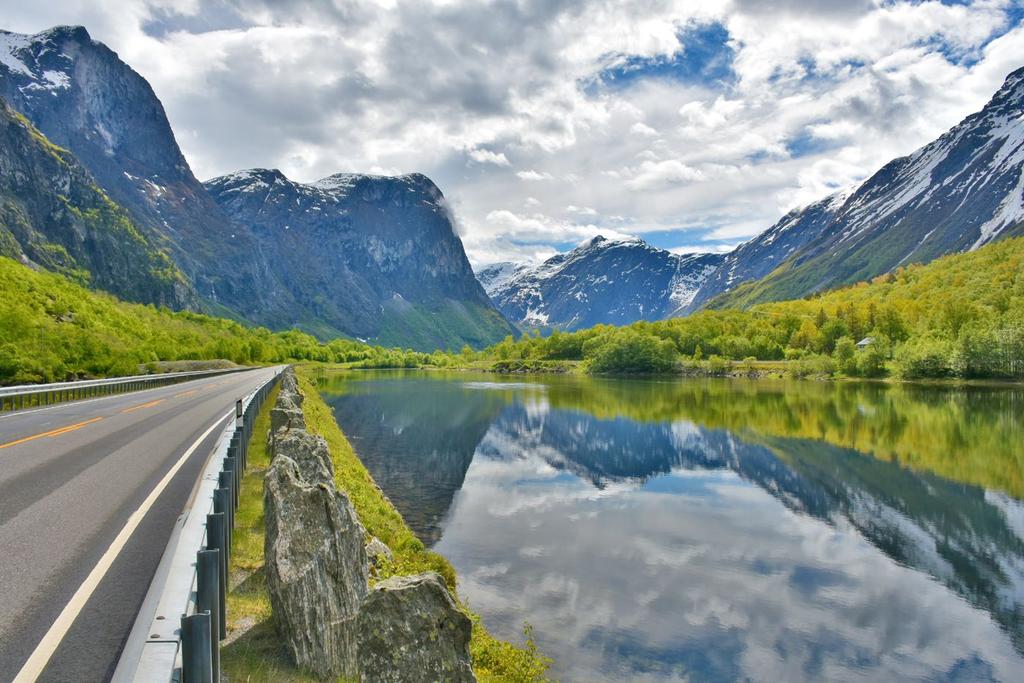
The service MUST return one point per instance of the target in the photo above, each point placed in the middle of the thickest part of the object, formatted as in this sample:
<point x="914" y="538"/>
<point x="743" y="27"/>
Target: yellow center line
<point x="52" y="432"/>
<point x="186" y="393"/>
<point x="143" y="405"/>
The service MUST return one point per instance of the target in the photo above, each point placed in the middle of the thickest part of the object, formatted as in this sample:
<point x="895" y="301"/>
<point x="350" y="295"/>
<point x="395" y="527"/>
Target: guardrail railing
<point x="33" y="395"/>
<point x="177" y="634"/>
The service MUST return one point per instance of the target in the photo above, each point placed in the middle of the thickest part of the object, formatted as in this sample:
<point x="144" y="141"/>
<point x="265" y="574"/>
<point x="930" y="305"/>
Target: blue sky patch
<point x="704" y="57"/>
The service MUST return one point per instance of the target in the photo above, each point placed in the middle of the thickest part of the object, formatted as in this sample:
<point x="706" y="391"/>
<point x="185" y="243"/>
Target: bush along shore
<point x="330" y="584"/>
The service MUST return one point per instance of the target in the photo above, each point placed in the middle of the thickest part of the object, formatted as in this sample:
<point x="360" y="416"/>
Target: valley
<point x="677" y="369"/>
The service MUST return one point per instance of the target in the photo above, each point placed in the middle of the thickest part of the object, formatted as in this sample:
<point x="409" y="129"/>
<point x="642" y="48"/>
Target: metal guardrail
<point x="34" y="395"/>
<point x="176" y="636"/>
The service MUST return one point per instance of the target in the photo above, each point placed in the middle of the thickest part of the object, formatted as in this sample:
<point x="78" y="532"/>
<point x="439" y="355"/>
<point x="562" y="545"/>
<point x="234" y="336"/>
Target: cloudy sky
<point x="694" y="125"/>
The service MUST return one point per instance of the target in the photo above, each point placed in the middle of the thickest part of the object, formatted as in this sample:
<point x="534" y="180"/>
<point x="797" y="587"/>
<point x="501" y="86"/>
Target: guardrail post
<point x="222" y="503"/>
<point x="234" y="448"/>
<point x="216" y="540"/>
<point x="196" y="656"/>
<point x="231" y="465"/>
<point x="208" y="600"/>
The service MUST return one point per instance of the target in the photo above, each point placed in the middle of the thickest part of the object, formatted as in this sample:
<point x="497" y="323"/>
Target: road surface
<point x="70" y="477"/>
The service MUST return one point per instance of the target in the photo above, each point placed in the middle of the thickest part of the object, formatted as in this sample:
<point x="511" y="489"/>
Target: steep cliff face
<point x="373" y="257"/>
<point x="615" y="282"/>
<point x="53" y="215"/>
<point x="957" y="193"/>
<point x="85" y="99"/>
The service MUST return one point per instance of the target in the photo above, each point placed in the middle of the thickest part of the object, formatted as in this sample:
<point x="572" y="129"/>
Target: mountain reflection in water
<point x="717" y="530"/>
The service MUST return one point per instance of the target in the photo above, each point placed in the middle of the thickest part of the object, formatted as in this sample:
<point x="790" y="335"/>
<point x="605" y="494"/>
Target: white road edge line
<point x="40" y="657"/>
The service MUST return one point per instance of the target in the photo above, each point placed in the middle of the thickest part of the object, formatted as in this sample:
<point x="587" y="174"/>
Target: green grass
<point x="255" y="653"/>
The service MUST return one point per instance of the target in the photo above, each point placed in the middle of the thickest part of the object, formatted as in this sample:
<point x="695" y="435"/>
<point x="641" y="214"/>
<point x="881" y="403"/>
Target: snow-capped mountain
<point x="601" y="281"/>
<point x="761" y="255"/>
<point x="497" y="274"/>
<point x="82" y="97"/>
<point x="376" y="257"/>
<point x="955" y="194"/>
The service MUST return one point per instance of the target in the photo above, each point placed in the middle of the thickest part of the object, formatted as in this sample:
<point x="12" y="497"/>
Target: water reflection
<point x="716" y="530"/>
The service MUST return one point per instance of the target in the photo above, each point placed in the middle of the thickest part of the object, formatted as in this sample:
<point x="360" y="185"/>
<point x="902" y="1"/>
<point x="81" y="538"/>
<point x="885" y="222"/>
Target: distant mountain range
<point x="955" y="194"/>
<point x="230" y="258"/>
<point x="94" y="185"/>
<point x="601" y="281"/>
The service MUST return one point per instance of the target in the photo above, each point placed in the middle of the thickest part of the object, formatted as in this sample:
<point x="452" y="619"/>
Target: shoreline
<point x="781" y="372"/>
<point x="253" y="651"/>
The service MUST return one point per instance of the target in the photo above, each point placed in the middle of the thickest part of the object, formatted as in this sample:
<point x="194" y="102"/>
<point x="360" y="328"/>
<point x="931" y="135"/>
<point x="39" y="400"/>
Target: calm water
<point x="715" y="530"/>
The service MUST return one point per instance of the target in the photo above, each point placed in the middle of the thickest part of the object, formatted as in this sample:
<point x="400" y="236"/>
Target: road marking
<point x="40" y="657"/>
<point x="186" y="393"/>
<point x="52" y="432"/>
<point x="143" y="405"/>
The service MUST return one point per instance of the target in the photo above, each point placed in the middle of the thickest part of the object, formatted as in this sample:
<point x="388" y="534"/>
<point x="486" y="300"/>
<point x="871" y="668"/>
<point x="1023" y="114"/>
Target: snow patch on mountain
<point x="614" y="281"/>
<point x="11" y="44"/>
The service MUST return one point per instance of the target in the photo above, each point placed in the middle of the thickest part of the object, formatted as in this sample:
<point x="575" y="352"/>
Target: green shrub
<point x="717" y="365"/>
<point x="926" y="358"/>
<point x="631" y="352"/>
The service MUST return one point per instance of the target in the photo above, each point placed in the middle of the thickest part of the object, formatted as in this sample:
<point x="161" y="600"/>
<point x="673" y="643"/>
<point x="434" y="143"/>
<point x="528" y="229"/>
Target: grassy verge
<point x="493" y="659"/>
<point x="253" y="652"/>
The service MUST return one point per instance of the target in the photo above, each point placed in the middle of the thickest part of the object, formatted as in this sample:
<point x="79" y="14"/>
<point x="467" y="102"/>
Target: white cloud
<point x="534" y="175"/>
<point x="486" y="156"/>
<point x="820" y="94"/>
<point x="640" y="128"/>
<point x="654" y="175"/>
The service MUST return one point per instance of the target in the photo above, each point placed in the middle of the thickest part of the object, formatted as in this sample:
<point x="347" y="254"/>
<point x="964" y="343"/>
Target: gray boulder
<point x="308" y="452"/>
<point x="290" y="384"/>
<point x="286" y="415"/>
<point x="316" y="570"/>
<point x="411" y="631"/>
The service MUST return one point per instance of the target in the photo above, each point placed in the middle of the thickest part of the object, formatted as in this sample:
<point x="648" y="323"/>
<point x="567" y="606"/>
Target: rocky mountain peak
<point x="603" y="280"/>
<point x="366" y="252"/>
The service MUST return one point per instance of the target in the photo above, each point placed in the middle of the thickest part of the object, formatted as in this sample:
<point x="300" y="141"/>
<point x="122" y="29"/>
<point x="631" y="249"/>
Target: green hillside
<point x="52" y="329"/>
<point x="959" y="316"/>
<point x="53" y="214"/>
<point x="791" y="279"/>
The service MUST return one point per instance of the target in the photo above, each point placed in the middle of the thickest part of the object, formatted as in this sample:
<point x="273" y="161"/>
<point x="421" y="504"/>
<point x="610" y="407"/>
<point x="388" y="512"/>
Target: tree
<point x="845" y="356"/>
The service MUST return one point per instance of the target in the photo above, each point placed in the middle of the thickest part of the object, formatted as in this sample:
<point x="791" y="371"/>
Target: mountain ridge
<point x="961" y="191"/>
<point x="369" y="250"/>
<point x="602" y="280"/>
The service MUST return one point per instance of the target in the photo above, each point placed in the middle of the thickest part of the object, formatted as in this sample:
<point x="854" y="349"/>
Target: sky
<point x="694" y="125"/>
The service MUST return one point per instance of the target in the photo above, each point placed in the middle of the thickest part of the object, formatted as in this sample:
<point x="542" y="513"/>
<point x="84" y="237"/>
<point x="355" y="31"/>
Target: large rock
<point x="411" y="631"/>
<point x="316" y="570"/>
<point x="309" y="453"/>
<point x="290" y="385"/>
<point x="286" y="414"/>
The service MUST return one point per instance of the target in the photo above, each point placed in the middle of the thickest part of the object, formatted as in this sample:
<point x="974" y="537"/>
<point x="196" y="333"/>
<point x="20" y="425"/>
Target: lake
<point x="715" y="530"/>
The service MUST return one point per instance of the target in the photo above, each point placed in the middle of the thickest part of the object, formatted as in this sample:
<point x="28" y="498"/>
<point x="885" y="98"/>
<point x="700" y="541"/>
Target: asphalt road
<point x="70" y="477"/>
